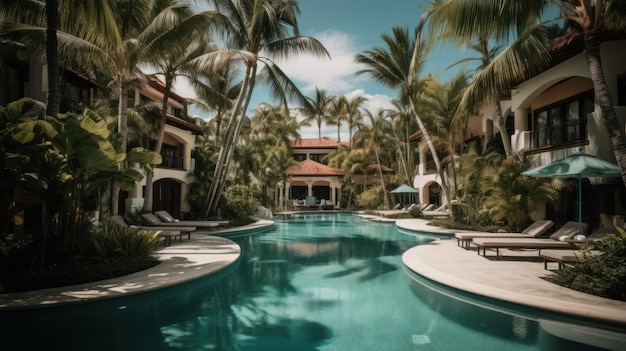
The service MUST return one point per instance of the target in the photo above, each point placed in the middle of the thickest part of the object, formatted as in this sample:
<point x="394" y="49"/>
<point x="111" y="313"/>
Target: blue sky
<point x="345" y="28"/>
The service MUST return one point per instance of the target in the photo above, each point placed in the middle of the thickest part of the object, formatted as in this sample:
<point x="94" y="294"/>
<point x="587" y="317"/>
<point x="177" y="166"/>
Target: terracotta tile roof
<point x="316" y="143"/>
<point x="310" y="167"/>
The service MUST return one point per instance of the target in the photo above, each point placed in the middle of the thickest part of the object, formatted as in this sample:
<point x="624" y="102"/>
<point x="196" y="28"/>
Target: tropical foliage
<point x="602" y="274"/>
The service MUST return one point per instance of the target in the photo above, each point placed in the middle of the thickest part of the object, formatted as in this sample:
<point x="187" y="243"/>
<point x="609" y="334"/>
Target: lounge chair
<point x="168" y="218"/>
<point x="440" y="212"/>
<point x="534" y="230"/>
<point x="555" y="241"/>
<point x="153" y="220"/>
<point x="570" y="257"/>
<point x="564" y="257"/>
<point x="167" y="233"/>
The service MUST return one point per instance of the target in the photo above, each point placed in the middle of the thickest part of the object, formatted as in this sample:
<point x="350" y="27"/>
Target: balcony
<point x="559" y="135"/>
<point x="171" y="162"/>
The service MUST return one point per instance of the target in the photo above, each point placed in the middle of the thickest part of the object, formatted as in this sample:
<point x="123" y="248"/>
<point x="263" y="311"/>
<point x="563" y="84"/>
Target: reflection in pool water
<point x="316" y="282"/>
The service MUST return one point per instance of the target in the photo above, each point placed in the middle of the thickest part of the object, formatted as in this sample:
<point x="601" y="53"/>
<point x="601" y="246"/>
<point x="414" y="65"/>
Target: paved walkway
<point x="517" y="279"/>
<point x="181" y="262"/>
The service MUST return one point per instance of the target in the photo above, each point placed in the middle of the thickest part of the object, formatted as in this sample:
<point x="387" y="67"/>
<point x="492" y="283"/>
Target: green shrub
<point x="240" y="201"/>
<point x="110" y="240"/>
<point x="371" y="198"/>
<point x="603" y="275"/>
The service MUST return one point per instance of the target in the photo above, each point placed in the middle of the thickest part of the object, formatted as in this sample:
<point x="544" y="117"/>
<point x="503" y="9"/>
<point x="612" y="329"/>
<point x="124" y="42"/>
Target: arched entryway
<point x="434" y="194"/>
<point x="167" y="196"/>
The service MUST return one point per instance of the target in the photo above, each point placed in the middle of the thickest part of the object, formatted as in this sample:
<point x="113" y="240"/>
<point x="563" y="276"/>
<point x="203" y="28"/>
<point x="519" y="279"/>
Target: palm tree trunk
<point x="603" y="99"/>
<point x="210" y="203"/>
<point x="382" y="180"/>
<point x="52" y="19"/>
<point x="433" y="151"/>
<point x="147" y="202"/>
<point x="506" y="140"/>
<point x="235" y="138"/>
<point x="122" y="129"/>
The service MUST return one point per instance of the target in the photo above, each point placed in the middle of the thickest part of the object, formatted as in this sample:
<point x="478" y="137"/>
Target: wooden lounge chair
<point x="440" y="212"/>
<point x="167" y="233"/>
<point x="564" y="257"/>
<point x="570" y="257"/>
<point x="534" y="230"/>
<point x="555" y="241"/>
<point x="168" y="218"/>
<point x="153" y="220"/>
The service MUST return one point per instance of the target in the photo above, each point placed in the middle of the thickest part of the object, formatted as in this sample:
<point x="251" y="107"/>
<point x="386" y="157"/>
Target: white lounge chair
<point x="555" y="241"/>
<point x="168" y="218"/>
<point x="167" y="233"/>
<point x="534" y="230"/>
<point x="153" y="220"/>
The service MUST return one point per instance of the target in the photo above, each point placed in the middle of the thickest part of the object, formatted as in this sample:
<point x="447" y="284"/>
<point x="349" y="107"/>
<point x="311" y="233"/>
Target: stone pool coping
<point x="517" y="279"/>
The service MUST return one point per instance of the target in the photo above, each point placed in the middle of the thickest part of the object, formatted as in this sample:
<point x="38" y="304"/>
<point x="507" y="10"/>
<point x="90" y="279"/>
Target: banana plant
<point x="63" y="160"/>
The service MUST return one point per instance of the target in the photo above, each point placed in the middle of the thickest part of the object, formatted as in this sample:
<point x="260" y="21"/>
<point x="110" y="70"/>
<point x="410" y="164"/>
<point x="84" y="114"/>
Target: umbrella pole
<point x="580" y="205"/>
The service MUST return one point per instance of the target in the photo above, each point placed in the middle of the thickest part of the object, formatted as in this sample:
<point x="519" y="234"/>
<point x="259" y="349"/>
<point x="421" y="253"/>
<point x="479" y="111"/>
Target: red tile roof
<point x="316" y="143"/>
<point x="310" y="167"/>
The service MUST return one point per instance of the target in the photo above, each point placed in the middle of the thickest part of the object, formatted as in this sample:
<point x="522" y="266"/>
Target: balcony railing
<point x="171" y="162"/>
<point x="559" y="134"/>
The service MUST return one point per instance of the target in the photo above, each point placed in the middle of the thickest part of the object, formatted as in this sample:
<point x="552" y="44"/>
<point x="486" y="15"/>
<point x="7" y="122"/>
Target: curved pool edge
<point x="182" y="262"/>
<point x="518" y="282"/>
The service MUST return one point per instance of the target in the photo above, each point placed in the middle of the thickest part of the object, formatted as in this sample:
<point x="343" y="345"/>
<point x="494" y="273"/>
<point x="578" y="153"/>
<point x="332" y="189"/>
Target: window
<point x="171" y="157"/>
<point x="299" y="157"/>
<point x="562" y="123"/>
<point x="317" y="157"/>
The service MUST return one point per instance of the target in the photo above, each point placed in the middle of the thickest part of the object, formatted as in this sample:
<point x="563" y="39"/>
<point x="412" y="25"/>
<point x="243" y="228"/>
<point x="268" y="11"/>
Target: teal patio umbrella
<point x="404" y="189"/>
<point x="579" y="165"/>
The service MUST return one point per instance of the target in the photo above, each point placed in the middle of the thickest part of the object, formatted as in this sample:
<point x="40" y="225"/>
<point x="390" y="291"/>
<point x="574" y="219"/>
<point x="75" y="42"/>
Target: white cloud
<point x="335" y="75"/>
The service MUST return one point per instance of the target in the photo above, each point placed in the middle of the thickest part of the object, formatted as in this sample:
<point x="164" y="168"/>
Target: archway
<point x="167" y="196"/>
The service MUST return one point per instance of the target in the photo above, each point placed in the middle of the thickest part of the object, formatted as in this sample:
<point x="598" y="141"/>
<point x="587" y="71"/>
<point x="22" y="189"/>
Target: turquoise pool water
<point x="321" y="281"/>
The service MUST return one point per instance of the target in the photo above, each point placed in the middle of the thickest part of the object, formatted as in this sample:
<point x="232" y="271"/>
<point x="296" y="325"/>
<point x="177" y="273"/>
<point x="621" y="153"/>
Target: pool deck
<point x="204" y="254"/>
<point x="516" y="279"/>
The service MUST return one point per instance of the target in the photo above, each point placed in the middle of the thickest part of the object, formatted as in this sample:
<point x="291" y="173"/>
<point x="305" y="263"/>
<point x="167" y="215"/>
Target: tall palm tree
<point x="374" y="136"/>
<point x="440" y="19"/>
<point x="216" y="91"/>
<point x="173" y="62"/>
<point x="402" y="118"/>
<point x="528" y="55"/>
<point x="442" y="101"/>
<point x="398" y="67"/>
<point x="318" y="109"/>
<point x="252" y="27"/>
<point x="350" y="109"/>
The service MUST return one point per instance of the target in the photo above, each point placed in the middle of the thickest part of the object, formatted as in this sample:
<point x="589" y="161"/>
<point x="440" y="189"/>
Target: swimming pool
<point x="319" y="281"/>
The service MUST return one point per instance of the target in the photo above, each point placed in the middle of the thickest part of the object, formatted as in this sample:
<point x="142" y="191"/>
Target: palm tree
<point x="171" y="62"/>
<point x="216" y="91"/>
<point x="350" y="109"/>
<point x="398" y="67"/>
<point x="253" y="27"/>
<point x="441" y="101"/>
<point x="528" y="55"/>
<point x="374" y="136"/>
<point x="402" y="118"/>
<point x="318" y="109"/>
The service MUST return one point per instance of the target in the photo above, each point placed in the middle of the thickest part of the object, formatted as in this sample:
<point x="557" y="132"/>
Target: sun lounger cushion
<point x="568" y="231"/>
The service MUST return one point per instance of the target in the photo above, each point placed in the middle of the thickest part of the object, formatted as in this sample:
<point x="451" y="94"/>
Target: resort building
<point x="555" y="115"/>
<point x="173" y="176"/>
<point x="427" y="181"/>
<point x="311" y="182"/>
